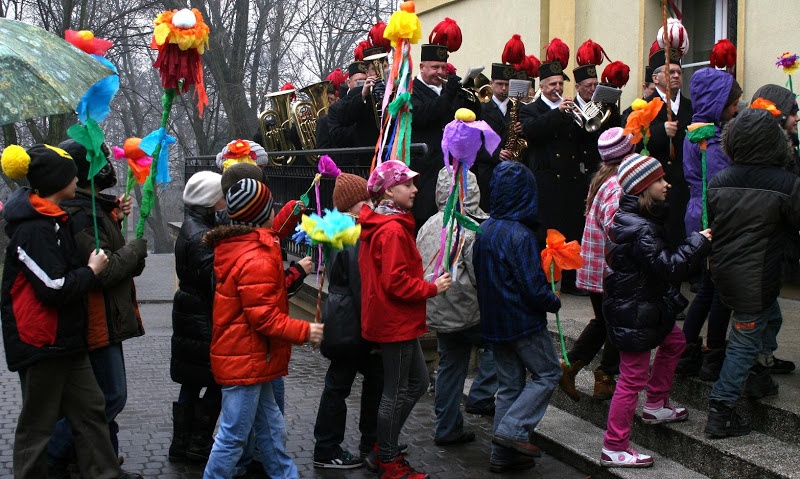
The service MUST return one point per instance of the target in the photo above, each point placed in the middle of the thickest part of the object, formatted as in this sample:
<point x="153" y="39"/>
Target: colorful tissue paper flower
<point x="789" y="63"/>
<point x="638" y="104"/>
<point x="327" y="167"/>
<point x="149" y="144"/>
<point x="96" y="102"/>
<point x="639" y="120"/>
<point x="765" y="104"/>
<point x="138" y="161"/>
<point x="403" y="25"/>
<point x="86" y="41"/>
<point x="90" y="136"/>
<point x="464" y="138"/>
<point x="558" y="255"/>
<point x="301" y="237"/>
<point x="335" y="229"/>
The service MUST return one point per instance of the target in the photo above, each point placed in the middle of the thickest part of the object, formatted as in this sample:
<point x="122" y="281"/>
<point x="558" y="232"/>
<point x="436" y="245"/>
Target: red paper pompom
<point x="375" y="36"/>
<point x="514" y="51"/>
<point x="447" y="33"/>
<point x="358" y="53"/>
<point x="558" y="51"/>
<point x="723" y="55"/>
<point x="590" y="53"/>
<point x="616" y="73"/>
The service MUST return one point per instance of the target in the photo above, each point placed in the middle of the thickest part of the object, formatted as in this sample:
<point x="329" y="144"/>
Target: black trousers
<point x="593" y="337"/>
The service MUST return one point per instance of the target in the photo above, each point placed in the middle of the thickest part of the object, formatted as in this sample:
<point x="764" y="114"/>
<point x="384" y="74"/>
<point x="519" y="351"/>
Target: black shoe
<point x="759" y="383"/>
<point x="723" y="421"/>
<point x="344" y="460"/>
<point x="480" y="412"/>
<point x="130" y="475"/>
<point x="712" y="364"/>
<point x="780" y="366"/>
<point x="694" y="286"/>
<point x="522" y="462"/>
<point x="680" y="316"/>
<point x="463" y="438"/>
<point x="691" y="359"/>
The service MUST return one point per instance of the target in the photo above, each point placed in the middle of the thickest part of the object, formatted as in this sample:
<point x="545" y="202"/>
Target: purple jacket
<point x="709" y="89"/>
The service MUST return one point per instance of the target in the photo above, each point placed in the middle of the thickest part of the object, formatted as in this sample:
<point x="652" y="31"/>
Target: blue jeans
<point x="454" y="351"/>
<point x="245" y="409"/>
<point x="752" y="336"/>
<point x="405" y="380"/>
<point x="108" y="365"/>
<point x="521" y="403"/>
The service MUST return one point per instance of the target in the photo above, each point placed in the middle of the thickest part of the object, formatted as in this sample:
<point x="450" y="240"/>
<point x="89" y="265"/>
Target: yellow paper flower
<point x="465" y="114"/>
<point x="638" y="104"/>
<point x="167" y="32"/>
<point x="403" y="24"/>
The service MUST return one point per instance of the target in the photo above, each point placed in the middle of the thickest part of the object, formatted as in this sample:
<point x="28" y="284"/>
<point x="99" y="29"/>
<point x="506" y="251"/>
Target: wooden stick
<point x="668" y="95"/>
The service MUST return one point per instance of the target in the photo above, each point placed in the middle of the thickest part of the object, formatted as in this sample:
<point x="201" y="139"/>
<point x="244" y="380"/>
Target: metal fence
<point x="286" y="183"/>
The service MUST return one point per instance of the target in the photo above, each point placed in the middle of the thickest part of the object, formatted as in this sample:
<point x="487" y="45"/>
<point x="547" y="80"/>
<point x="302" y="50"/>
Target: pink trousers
<point x="635" y="374"/>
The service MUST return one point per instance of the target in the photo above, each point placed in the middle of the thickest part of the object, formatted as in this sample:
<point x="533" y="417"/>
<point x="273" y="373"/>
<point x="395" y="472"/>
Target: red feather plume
<point x="616" y="73"/>
<point x="451" y="69"/>
<point x="447" y="33"/>
<point x="654" y="48"/>
<point x="723" y="55"/>
<point x="558" y="51"/>
<point x="514" y="51"/>
<point x="531" y="66"/>
<point x="375" y="36"/>
<point x="337" y="78"/>
<point x="590" y="53"/>
<point x="358" y="53"/>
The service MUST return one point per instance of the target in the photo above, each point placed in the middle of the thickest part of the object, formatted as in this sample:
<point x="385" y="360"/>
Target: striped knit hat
<point x="637" y="172"/>
<point x="249" y="202"/>
<point x="613" y="145"/>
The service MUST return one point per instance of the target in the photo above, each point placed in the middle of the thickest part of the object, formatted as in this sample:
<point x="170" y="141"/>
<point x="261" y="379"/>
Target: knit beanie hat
<point x="349" y="190"/>
<point x="239" y="171"/>
<point x="203" y="189"/>
<point x="249" y="202"/>
<point x="49" y="169"/>
<point x="613" y="145"/>
<point x="637" y="172"/>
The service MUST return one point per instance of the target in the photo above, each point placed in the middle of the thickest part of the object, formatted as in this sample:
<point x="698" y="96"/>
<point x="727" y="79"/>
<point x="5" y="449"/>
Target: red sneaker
<point x="398" y="468"/>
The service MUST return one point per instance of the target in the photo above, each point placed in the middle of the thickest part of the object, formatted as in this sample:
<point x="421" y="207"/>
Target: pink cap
<point x="388" y="174"/>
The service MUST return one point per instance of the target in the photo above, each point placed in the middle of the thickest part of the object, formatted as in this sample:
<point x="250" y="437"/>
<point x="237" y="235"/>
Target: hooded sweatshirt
<point x="458" y="309"/>
<point x="513" y="293"/>
<point x="393" y="291"/>
<point x="785" y="101"/>
<point x="710" y="89"/>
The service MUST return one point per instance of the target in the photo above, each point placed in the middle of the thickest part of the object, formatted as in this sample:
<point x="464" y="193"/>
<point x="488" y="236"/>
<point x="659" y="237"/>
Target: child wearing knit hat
<point x="640" y="304"/>
<point x="252" y="332"/>
<point x="44" y="315"/>
<point x="348" y="352"/>
<point x="601" y="205"/>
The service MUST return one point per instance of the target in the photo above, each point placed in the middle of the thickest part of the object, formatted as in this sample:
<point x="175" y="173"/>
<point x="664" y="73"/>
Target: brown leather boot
<point x="567" y="382"/>
<point x="604" y="385"/>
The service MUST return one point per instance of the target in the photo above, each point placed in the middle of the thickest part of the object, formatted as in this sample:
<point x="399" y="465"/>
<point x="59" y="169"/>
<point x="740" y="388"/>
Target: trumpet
<point x="470" y="95"/>
<point x="592" y="117"/>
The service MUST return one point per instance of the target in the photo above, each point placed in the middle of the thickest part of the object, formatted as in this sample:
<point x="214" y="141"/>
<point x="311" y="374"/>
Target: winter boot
<point x="759" y="383"/>
<point x="689" y="363"/>
<point x="567" y="382"/>
<point x="202" y="438"/>
<point x="711" y="364"/>
<point x="604" y="385"/>
<point x="723" y="421"/>
<point x="781" y="366"/>
<point x="398" y="468"/>
<point x="181" y="430"/>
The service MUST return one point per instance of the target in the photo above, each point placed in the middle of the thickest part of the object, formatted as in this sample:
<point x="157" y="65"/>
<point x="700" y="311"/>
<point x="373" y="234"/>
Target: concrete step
<point x="578" y="442"/>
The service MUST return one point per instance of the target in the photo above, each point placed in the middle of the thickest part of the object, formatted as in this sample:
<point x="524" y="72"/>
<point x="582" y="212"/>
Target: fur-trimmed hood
<point x="215" y="235"/>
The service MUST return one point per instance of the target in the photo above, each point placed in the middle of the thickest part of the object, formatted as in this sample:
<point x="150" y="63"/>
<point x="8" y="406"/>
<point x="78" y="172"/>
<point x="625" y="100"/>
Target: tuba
<point x="317" y="94"/>
<point x="274" y="124"/>
<point x="304" y="118"/>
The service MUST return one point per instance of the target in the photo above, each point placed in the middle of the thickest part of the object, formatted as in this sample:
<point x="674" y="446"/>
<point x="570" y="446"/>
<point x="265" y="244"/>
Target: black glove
<point x="453" y="85"/>
<point x="378" y="90"/>
<point x="139" y="246"/>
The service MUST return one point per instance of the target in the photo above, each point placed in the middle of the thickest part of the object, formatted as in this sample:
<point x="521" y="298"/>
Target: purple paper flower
<point x="463" y="140"/>
<point x="327" y="167"/>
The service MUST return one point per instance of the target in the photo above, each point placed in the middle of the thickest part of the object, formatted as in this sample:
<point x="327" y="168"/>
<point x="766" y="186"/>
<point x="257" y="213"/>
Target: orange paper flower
<point x="564" y="255"/>
<point x="639" y="120"/>
<point x="765" y="104"/>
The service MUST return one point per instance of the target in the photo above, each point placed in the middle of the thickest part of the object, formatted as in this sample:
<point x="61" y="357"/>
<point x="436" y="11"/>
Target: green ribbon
<point x="698" y="135"/>
<point x="91" y="137"/>
<point x="558" y="316"/>
<point x="404" y="124"/>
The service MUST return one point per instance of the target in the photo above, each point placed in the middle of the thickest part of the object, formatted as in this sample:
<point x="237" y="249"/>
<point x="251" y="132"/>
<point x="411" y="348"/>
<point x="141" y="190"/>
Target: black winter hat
<point x="754" y="138"/>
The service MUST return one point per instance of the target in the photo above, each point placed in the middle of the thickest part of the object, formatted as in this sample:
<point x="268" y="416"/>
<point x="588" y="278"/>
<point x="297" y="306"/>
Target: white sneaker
<point x="629" y="458"/>
<point x="664" y="413"/>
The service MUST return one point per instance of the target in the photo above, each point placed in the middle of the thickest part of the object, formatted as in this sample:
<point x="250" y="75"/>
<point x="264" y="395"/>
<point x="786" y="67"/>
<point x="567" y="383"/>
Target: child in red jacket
<point x="393" y="296"/>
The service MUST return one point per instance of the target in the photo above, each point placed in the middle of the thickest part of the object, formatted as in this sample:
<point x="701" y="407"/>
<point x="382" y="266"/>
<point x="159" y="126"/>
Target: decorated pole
<point x="558" y="255"/>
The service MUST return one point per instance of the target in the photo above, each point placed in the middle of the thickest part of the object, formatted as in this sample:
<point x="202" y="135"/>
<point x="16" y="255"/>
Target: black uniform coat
<point x="430" y="113"/>
<point x="563" y="158"/>
<point x="484" y="163"/>
<point x="352" y="124"/>
<point x="659" y="148"/>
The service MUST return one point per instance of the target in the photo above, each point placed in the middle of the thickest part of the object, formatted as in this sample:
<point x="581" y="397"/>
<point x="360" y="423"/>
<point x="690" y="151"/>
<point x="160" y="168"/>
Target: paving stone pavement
<point x="146" y="426"/>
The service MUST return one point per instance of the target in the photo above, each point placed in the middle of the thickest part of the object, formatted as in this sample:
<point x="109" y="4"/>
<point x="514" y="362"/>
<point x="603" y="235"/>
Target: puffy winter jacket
<point x="113" y="310"/>
<point x="44" y="283"/>
<point x="192" y="306"/>
<point x="710" y="89"/>
<point x="253" y="334"/>
<point x="639" y="301"/>
<point x="458" y="309"/>
<point x="752" y="205"/>
<point x="513" y="293"/>
<point x="393" y="291"/>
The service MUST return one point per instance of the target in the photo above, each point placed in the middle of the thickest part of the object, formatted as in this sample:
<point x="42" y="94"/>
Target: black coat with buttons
<point x="563" y="158"/>
<point x="484" y="162"/>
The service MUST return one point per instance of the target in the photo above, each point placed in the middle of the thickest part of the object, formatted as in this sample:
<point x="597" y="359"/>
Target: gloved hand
<point x="378" y="90"/>
<point x="139" y="246"/>
<point x="453" y="85"/>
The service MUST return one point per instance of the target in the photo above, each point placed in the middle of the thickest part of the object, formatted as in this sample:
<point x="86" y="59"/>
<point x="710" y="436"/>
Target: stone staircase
<point x="573" y="431"/>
